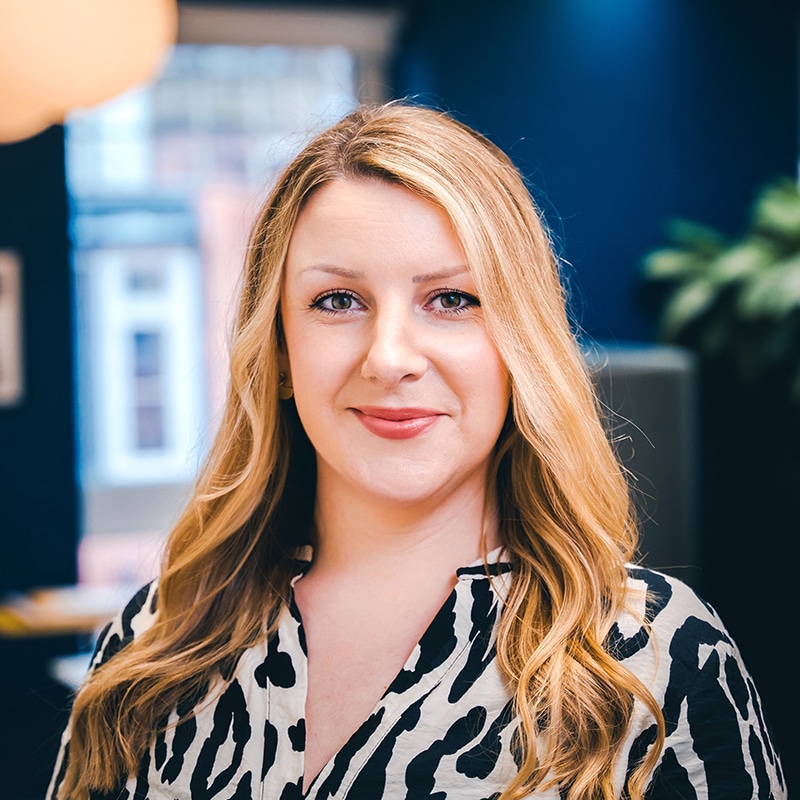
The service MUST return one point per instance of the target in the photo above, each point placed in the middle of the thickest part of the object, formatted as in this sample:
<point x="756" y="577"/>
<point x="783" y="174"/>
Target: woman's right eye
<point x="333" y="302"/>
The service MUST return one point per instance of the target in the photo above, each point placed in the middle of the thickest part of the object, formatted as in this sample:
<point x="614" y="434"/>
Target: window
<point x="164" y="181"/>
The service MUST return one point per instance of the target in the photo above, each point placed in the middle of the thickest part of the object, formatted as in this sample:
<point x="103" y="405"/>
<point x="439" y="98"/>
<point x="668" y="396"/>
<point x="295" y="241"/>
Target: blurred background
<point x="122" y="233"/>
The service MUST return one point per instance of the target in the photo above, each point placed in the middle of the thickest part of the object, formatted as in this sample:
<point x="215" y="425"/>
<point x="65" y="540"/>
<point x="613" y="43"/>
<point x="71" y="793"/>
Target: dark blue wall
<point x="622" y="113"/>
<point x="38" y="498"/>
<point x="38" y="527"/>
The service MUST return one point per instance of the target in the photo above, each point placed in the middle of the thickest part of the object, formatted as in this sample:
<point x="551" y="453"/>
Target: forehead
<point x="358" y="223"/>
<point x="367" y="197"/>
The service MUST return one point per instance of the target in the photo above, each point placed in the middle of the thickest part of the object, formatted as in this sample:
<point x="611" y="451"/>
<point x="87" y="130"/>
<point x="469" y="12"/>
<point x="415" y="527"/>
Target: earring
<point x="284" y="392"/>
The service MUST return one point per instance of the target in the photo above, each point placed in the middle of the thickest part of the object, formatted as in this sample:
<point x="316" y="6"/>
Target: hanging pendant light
<point x="56" y="56"/>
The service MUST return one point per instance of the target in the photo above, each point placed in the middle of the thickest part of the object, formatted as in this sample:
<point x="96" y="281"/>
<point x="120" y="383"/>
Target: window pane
<point x="164" y="181"/>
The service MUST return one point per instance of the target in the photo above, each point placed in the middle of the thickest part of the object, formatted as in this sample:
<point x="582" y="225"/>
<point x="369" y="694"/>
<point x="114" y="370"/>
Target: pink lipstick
<point x="396" y="423"/>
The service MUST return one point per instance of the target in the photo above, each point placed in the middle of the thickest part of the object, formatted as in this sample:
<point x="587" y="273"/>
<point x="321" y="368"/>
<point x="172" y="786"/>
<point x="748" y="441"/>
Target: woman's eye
<point x="454" y="301"/>
<point x="335" y="301"/>
<point x="340" y="302"/>
<point x="450" y="300"/>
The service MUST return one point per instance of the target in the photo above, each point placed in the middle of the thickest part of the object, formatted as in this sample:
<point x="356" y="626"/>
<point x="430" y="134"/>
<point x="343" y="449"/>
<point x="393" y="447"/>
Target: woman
<point x="403" y="570"/>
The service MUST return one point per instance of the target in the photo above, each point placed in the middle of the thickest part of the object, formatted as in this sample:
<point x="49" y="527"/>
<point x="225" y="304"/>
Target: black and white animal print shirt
<point x="443" y="729"/>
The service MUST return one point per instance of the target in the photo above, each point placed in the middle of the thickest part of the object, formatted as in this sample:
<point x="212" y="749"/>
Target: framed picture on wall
<point x="11" y="355"/>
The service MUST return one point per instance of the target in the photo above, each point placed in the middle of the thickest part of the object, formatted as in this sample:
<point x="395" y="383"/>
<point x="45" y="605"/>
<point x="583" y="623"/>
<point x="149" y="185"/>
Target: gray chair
<point x="650" y="396"/>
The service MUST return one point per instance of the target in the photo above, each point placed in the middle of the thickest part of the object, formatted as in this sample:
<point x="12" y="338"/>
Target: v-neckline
<point x="430" y="659"/>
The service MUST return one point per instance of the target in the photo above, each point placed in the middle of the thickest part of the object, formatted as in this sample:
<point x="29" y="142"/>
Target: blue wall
<point x="38" y="494"/>
<point x="38" y="526"/>
<point x="622" y="113"/>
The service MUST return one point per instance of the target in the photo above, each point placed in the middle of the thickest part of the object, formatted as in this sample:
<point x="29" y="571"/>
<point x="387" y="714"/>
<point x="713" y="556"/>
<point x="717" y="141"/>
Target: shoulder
<point x="133" y="619"/>
<point x="673" y="640"/>
<point x="717" y="740"/>
<point x="669" y="610"/>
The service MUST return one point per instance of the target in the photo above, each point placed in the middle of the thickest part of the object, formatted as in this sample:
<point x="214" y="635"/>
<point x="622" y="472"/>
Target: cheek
<point x="484" y="382"/>
<point x="488" y="370"/>
<point x="318" y="367"/>
<point x="303" y="357"/>
<point x="496" y="388"/>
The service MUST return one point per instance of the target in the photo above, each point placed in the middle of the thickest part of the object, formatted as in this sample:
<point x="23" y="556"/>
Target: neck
<point x="355" y="532"/>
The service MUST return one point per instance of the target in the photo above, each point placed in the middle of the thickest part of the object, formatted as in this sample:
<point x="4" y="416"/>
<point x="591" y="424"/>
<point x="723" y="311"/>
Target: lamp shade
<point x="56" y="56"/>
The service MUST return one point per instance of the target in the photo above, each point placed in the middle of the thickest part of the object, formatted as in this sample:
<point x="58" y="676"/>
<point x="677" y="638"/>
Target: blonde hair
<point x="563" y="501"/>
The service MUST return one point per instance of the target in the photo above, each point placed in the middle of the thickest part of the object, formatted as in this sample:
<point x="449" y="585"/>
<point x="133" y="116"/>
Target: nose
<point x="394" y="351"/>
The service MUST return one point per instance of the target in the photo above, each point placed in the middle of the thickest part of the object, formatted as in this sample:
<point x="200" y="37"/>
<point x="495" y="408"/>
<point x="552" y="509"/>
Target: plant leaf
<point x="687" y="303"/>
<point x="772" y="293"/>
<point x="741" y="260"/>
<point x="695" y="236"/>
<point x="670" y="263"/>
<point x="777" y="209"/>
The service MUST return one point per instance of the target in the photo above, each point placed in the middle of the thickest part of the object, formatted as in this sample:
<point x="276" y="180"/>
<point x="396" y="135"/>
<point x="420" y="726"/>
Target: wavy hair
<point x="564" y="507"/>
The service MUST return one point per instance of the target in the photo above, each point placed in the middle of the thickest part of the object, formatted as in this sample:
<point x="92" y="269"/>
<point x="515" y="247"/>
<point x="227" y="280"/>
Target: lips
<point x="397" y="423"/>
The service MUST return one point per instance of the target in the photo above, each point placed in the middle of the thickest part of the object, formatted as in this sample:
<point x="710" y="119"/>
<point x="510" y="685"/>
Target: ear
<point x="283" y="356"/>
<point x="283" y="365"/>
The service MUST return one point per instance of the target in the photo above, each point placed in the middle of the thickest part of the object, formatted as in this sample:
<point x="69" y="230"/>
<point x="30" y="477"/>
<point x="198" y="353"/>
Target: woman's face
<point x="397" y="383"/>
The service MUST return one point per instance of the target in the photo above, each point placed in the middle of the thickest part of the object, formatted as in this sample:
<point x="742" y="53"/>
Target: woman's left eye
<point x="452" y="300"/>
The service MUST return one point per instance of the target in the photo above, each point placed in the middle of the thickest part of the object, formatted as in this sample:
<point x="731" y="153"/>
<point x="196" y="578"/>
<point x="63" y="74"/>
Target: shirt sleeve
<point x="718" y="745"/>
<point x="134" y="618"/>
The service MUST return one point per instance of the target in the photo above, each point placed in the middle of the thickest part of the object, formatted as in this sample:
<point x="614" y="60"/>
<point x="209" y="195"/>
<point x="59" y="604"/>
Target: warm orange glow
<point x="56" y="56"/>
<point x="21" y="117"/>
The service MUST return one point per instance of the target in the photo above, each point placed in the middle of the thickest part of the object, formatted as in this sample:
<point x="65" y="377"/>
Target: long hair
<point x="564" y="509"/>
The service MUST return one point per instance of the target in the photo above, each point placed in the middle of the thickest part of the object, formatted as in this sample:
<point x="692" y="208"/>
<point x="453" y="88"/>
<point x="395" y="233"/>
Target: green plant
<point x="736" y="299"/>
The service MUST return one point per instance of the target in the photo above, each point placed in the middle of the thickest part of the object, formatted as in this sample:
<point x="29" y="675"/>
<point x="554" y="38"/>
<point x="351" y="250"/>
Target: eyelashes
<point x="442" y="301"/>
<point x="454" y="301"/>
<point x="338" y="301"/>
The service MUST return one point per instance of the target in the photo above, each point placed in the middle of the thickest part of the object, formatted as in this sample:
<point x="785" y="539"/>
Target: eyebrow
<point x="425" y="277"/>
<point x="329" y="268"/>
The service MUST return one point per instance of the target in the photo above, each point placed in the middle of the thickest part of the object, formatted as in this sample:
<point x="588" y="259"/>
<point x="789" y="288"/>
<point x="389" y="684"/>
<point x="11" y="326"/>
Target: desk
<point x="59" y="611"/>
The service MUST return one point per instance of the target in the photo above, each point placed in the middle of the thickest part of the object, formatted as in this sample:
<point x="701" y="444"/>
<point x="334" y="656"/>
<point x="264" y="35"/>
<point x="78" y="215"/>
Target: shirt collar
<point x="497" y="562"/>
